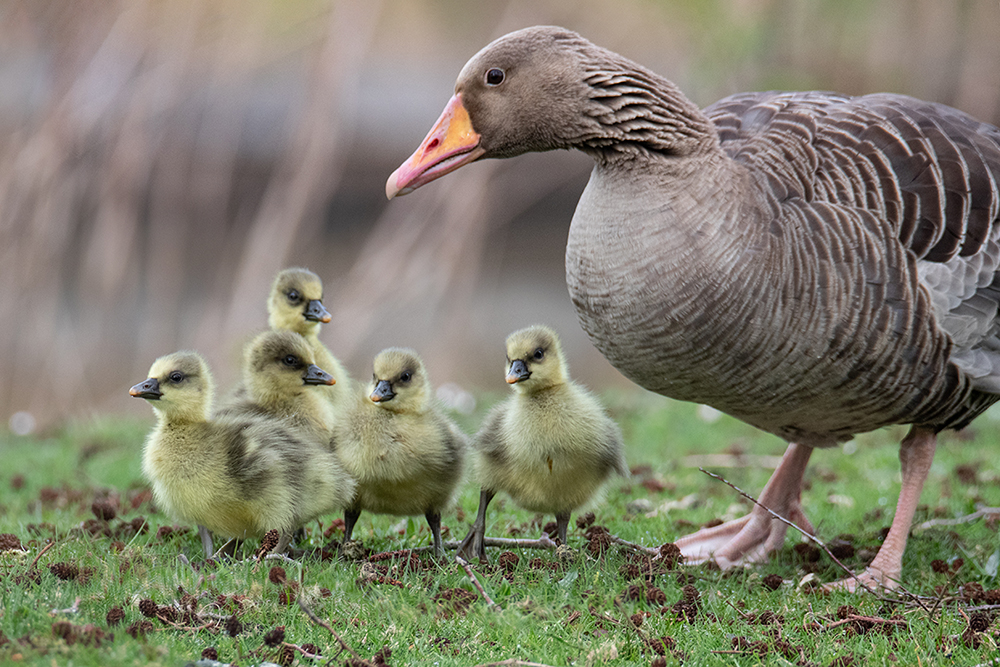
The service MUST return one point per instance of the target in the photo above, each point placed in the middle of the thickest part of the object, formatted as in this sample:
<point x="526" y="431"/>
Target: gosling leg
<point x="434" y="521"/>
<point x="562" y="527"/>
<point x="350" y="518"/>
<point x="283" y="540"/>
<point x="206" y="541"/>
<point x="473" y="546"/>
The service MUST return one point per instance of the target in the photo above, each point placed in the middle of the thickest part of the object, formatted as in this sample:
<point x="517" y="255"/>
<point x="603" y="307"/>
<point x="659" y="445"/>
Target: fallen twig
<point x="652" y="551"/>
<point x="968" y="518"/>
<point x="44" y="549"/>
<point x="69" y="610"/>
<point x="311" y="656"/>
<point x="807" y="534"/>
<point x="475" y="582"/>
<point x="632" y="624"/>
<point x="323" y="624"/>
<point x="282" y="557"/>
<point x="512" y="663"/>
<point x="875" y="620"/>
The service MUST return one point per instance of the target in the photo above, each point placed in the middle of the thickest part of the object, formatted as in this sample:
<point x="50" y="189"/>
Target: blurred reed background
<point x="161" y="160"/>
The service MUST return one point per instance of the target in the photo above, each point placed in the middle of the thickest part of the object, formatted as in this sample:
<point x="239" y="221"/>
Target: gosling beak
<point x="518" y="372"/>
<point x="383" y="392"/>
<point x="450" y="144"/>
<point x="315" y="312"/>
<point x="316" y="375"/>
<point x="148" y="389"/>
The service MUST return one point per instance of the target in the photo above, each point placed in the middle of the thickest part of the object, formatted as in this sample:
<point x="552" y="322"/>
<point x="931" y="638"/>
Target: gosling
<point x="296" y="304"/>
<point x="550" y="446"/>
<point x="237" y="476"/>
<point x="282" y="381"/>
<point x="406" y="455"/>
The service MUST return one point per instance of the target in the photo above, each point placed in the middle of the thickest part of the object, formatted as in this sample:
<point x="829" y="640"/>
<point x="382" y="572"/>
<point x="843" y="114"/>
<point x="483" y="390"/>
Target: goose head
<point x="546" y="88"/>
<point x="296" y="302"/>
<point x="179" y="387"/>
<point x="399" y="381"/>
<point x="535" y="360"/>
<point x="280" y="364"/>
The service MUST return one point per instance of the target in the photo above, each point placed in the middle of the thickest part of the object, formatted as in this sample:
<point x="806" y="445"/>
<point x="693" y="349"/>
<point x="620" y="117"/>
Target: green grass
<point x="554" y="613"/>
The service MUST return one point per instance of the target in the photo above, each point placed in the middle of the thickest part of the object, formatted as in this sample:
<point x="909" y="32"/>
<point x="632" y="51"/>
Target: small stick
<point x="301" y="650"/>
<point x="323" y="624"/>
<point x="746" y="617"/>
<point x="867" y="619"/>
<point x="512" y="662"/>
<point x="282" y="557"/>
<point x="475" y="582"/>
<point x="46" y="548"/>
<point x="634" y="626"/>
<point x="75" y="609"/>
<point x="637" y="547"/>
<point x="218" y="553"/>
<point x="785" y="521"/>
<point x="986" y="511"/>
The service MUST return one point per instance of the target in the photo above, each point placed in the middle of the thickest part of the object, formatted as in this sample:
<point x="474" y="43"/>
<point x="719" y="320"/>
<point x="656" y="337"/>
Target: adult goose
<point x="814" y="264"/>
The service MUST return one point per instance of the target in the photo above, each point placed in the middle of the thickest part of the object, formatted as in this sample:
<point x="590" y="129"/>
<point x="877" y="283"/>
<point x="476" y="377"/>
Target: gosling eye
<point x="406" y="376"/>
<point x="290" y="360"/>
<point x="494" y="77"/>
<point x="293" y="296"/>
<point x="538" y="354"/>
<point x="177" y="377"/>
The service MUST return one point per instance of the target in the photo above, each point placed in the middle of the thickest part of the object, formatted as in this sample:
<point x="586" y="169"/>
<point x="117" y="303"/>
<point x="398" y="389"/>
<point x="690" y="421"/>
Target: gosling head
<point x="179" y="387"/>
<point x="399" y="382"/>
<point x="280" y="363"/>
<point x="535" y="360"/>
<point x="296" y="302"/>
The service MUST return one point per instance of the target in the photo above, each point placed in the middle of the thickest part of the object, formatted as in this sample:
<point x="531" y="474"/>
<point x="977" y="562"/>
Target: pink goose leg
<point x="916" y="453"/>
<point x="751" y="538"/>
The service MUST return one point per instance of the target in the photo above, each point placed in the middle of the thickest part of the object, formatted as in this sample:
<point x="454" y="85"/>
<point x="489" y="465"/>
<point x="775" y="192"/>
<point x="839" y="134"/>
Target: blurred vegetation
<point x="160" y="161"/>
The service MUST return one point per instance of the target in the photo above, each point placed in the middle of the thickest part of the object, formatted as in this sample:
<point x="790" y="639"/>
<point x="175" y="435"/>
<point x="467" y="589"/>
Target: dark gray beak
<point x="316" y="375"/>
<point x="383" y="392"/>
<point x="149" y="389"/>
<point x="518" y="372"/>
<point x="315" y="312"/>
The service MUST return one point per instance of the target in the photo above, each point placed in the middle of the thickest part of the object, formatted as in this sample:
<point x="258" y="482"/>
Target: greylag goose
<point x="814" y="264"/>
<point x="406" y="455"/>
<point x="282" y="381"/>
<point x="296" y="304"/>
<point x="550" y="446"/>
<point x="237" y="476"/>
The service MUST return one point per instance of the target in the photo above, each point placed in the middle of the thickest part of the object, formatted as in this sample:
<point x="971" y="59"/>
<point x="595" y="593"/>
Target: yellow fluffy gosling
<point x="406" y="455"/>
<point x="237" y="476"/>
<point x="550" y="445"/>
<point x="282" y="380"/>
<point x="296" y="304"/>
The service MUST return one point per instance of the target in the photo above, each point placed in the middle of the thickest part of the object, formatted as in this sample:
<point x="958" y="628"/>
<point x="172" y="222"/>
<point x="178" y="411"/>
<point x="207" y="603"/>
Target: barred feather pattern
<point x="816" y="265"/>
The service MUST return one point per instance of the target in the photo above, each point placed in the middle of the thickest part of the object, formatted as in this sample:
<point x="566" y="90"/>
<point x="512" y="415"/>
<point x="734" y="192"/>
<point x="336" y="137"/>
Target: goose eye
<point x="176" y="377"/>
<point x="494" y="77"/>
<point x="293" y="296"/>
<point x="539" y="353"/>
<point x="405" y="377"/>
<point x="291" y="360"/>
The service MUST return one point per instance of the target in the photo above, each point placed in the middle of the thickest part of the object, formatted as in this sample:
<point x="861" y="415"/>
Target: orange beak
<point x="450" y="144"/>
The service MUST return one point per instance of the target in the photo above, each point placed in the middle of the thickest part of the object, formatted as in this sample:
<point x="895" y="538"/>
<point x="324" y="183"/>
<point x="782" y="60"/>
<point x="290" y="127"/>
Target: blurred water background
<point x="161" y="160"/>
